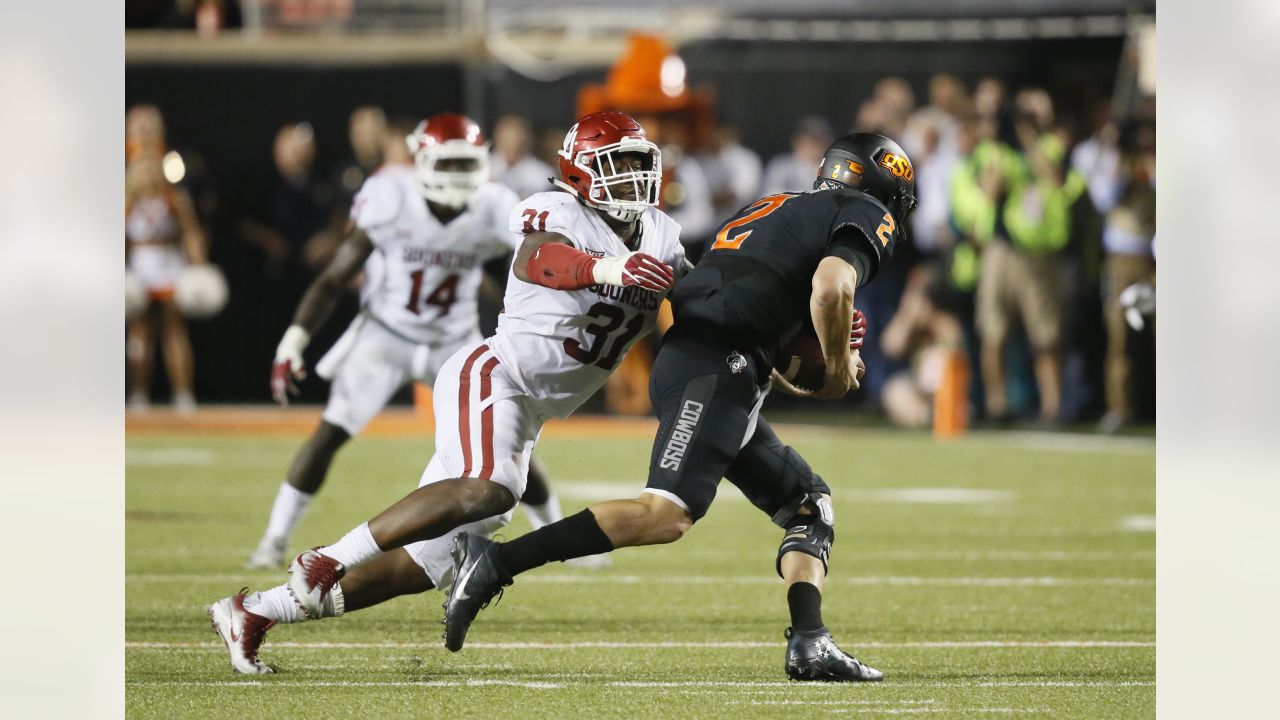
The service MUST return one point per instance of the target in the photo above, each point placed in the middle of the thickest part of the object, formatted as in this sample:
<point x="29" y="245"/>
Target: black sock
<point x="573" y="537"/>
<point x="805" y="601"/>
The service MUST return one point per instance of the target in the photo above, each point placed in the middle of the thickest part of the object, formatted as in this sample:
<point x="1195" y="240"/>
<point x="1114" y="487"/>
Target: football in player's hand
<point x="801" y="362"/>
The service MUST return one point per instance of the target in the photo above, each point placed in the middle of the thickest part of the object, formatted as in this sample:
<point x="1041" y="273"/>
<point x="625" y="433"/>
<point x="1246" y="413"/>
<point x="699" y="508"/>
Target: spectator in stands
<point x="733" y="172"/>
<point x="989" y="98"/>
<point x="925" y="334"/>
<point x="366" y="133"/>
<point x="144" y="133"/>
<point x="293" y="210"/>
<point x="1019" y="214"/>
<point x="1097" y="158"/>
<point x="934" y="164"/>
<point x="297" y="206"/>
<point x="512" y="162"/>
<point x="686" y="195"/>
<point x="1128" y="238"/>
<point x="162" y="236"/>
<point x="795" y="171"/>
<point x="947" y="102"/>
<point x="894" y="97"/>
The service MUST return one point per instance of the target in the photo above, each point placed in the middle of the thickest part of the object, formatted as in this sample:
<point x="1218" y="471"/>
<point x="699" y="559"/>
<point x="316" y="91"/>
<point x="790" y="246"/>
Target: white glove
<point x="635" y="268"/>
<point x="288" y="364"/>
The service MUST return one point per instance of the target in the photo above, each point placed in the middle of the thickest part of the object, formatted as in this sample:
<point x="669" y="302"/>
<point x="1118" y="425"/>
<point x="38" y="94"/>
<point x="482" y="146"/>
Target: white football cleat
<point x="591" y="562"/>
<point x="269" y="555"/>
<point x="242" y="632"/>
<point x="313" y="582"/>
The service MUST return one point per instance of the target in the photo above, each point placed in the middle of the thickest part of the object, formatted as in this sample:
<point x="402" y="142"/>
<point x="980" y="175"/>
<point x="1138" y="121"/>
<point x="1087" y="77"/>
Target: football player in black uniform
<point x="781" y="262"/>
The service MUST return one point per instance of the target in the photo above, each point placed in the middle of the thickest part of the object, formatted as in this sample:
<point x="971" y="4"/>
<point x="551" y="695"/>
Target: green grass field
<point x="997" y="576"/>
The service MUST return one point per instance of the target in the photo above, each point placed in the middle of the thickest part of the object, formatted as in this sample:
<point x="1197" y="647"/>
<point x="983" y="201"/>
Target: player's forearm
<point x="558" y="266"/>
<point x="318" y="303"/>
<point x="831" y="309"/>
<point x="322" y="297"/>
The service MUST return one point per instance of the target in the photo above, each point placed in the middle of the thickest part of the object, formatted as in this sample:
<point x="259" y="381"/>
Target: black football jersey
<point x="753" y="282"/>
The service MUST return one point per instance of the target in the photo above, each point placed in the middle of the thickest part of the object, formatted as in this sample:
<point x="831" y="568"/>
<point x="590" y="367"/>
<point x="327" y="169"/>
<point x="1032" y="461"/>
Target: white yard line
<point x="1138" y="523"/>
<point x="605" y="579"/>
<point x="723" y="645"/>
<point x="539" y="685"/>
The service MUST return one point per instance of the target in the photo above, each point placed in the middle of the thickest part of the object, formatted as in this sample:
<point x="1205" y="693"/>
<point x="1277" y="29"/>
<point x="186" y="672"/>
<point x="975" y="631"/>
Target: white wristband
<point x="608" y="270"/>
<point x="293" y="343"/>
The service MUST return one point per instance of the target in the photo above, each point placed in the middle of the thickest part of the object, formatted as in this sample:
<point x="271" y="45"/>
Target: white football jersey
<point x="561" y="345"/>
<point x="424" y="276"/>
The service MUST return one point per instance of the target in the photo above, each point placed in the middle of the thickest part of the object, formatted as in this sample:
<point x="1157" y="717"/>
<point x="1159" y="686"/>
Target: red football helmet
<point x="457" y="142"/>
<point x="590" y="166"/>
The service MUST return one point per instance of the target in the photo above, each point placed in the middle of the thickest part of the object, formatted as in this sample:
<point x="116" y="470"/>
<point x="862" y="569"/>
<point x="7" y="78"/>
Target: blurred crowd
<point x="1033" y="223"/>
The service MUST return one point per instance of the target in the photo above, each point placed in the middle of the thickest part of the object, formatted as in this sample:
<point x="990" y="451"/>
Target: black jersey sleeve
<point x="864" y="224"/>
<point x="850" y="245"/>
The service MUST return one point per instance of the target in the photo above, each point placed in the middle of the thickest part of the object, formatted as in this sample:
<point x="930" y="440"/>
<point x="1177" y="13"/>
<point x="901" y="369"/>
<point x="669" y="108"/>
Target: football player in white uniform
<point x="593" y="265"/>
<point x="422" y="234"/>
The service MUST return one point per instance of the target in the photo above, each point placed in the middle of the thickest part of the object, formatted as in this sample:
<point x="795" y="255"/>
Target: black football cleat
<point x="814" y="655"/>
<point x="477" y="578"/>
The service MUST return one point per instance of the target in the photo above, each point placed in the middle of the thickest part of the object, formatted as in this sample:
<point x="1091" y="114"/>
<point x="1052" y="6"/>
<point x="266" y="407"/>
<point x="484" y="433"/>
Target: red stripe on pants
<point x="486" y="420"/>
<point x="464" y="408"/>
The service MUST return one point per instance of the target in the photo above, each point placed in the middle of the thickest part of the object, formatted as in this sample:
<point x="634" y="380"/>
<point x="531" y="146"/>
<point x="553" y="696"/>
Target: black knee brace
<point x="811" y="533"/>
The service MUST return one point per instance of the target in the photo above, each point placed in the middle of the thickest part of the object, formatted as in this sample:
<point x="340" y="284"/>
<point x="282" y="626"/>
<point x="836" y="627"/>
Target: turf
<point x="997" y="576"/>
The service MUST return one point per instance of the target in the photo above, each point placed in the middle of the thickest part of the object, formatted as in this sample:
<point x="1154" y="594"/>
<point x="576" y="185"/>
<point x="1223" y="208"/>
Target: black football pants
<point x="707" y="395"/>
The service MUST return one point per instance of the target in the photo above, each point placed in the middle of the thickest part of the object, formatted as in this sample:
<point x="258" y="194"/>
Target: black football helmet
<point x="875" y="165"/>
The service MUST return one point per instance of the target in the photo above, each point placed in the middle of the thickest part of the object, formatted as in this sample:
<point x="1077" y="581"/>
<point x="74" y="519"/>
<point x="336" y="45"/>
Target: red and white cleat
<point x="313" y="582"/>
<point x="242" y="632"/>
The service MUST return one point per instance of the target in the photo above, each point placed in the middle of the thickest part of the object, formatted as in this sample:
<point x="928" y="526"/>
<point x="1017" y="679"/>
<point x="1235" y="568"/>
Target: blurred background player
<point x="586" y="283"/>
<point x="431" y="227"/>
<point x="162" y="236"/>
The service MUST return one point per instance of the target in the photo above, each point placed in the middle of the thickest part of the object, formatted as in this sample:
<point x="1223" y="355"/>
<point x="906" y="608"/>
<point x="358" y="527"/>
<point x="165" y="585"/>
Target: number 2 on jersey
<point x="442" y="297"/>
<point x="760" y="208"/>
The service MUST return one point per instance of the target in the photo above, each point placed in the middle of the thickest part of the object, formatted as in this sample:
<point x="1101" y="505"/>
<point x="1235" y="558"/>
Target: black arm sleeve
<point x="850" y="245"/>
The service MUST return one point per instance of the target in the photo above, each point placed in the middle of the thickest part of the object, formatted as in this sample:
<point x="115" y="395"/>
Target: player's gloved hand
<point x="857" y="331"/>
<point x="840" y="378"/>
<point x="635" y="268"/>
<point x="288" y="365"/>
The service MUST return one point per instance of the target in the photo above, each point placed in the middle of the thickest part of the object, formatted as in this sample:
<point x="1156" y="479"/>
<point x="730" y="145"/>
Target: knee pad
<point x="810" y="533"/>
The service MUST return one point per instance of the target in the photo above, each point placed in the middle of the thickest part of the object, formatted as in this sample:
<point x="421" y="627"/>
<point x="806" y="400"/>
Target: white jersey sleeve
<point x="378" y="204"/>
<point x="561" y="345"/>
<point x="556" y="212"/>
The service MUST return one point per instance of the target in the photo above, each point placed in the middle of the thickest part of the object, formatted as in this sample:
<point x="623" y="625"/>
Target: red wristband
<point x="560" y="267"/>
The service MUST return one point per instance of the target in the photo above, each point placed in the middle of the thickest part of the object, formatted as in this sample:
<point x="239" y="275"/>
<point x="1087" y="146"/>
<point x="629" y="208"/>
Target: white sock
<point x="286" y="512"/>
<point x="354" y="548"/>
<point x="544" y="514"/>
<point x="274" y="604"/>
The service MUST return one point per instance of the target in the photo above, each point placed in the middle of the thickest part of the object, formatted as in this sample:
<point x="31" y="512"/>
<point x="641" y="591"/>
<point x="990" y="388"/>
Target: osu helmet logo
<point x="899" y="165"/>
